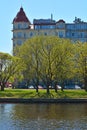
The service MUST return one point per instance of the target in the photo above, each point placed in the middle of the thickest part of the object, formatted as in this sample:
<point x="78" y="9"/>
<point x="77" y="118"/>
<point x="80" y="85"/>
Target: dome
<point x="21" y="17"/>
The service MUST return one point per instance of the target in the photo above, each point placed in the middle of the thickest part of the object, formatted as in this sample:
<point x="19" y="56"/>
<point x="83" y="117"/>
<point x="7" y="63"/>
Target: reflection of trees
<point x="49" y="111"/>
<point x="29" y="116"/>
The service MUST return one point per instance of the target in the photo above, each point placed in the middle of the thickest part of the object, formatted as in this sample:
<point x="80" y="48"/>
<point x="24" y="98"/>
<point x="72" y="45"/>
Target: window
<point x="67" y="34"/>
<point x="14" y="35"/>
<point x="19" y="26"/>
<point x="44" y="27"/>
<point x="70" y="26"/>
<point x="60" y="25"/>
<point x="45" y="34"/>
<point x="14" y="45"/>
<point x="60" y="34"/>
<point x="19" y="42"/>
<point x="31" y="34"/>
<point x="19" y="34"/>
<point x="14" y="27"/>
<point x="24" y="35"/>
<point x="25" y="25"/>
<point x="73" y="34"/>
<point x="82" y="34"/>
<point x="37" y="27"/>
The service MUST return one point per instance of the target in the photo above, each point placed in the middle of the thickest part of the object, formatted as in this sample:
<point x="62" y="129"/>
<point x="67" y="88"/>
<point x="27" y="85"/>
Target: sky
<point x="37" y="9"/>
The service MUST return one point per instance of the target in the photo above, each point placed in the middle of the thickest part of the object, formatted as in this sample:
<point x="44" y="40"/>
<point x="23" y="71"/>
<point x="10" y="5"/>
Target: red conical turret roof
<point x="21" y="17"/>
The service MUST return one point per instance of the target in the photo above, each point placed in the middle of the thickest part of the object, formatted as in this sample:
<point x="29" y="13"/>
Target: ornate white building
<point x="23" y="29"/>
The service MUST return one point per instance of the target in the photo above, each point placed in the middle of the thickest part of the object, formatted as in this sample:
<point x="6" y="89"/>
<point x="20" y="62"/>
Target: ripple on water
<point x="43" y="117"/>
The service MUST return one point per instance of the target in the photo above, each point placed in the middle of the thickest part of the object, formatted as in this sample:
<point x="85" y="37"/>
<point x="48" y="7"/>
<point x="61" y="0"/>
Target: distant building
<point x="77" y="30"/>
<point x="23" y="29"/>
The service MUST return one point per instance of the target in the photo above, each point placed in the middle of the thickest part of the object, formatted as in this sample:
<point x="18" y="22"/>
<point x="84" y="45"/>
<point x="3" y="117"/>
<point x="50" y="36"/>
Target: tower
<point x="20" y="26"/>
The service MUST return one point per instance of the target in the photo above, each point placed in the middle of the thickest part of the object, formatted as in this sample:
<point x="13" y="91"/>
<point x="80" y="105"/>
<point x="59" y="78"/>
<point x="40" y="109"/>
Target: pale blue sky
<point x="61" y="9"/>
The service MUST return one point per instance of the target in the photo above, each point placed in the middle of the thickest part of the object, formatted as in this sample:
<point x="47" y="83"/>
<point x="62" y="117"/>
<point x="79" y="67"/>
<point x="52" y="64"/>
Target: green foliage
<point x="51" y="60"/>
<point x="10" y="68"/>
<point x="81" y="62"/>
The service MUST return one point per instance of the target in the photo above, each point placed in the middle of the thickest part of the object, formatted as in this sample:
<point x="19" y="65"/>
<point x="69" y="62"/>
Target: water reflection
<point x="43" y="116"/>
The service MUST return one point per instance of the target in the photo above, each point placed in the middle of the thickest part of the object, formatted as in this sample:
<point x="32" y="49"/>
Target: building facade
<point x="77" y="30"/>
<point x="23" y="29"/>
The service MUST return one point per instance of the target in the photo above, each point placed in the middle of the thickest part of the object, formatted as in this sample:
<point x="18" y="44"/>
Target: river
<point x="43" y="116"/>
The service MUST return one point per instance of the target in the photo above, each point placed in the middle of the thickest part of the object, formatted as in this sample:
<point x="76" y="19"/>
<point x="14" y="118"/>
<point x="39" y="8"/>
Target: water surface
<point x="43" y="116"/>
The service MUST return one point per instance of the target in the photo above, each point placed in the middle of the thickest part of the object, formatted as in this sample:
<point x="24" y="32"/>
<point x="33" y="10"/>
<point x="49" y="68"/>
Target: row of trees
<point x="52" y="60"/>
<point x="48" y="60"/>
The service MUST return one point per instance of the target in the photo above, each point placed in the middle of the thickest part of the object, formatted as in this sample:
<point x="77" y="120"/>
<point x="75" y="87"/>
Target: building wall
<point x="77" y="31"/>
<point x="21" y="33"/>
<point x="74" y="31"/>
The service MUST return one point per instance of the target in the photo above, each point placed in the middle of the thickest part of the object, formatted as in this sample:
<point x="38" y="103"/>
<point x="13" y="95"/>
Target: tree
<point x="9" y="67"/>
<point x="35" y="50"/>
<point x="47" y="70"/>
<point x="37" y="54"/>
<point x="30" y="53"/>
<point x="81" y="62"/>
<point x="64" y="64"/>
<point x="48" y="59"/>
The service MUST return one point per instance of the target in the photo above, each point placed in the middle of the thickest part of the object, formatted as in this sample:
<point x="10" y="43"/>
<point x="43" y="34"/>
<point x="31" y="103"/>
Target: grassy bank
<point x="27" y="93"/>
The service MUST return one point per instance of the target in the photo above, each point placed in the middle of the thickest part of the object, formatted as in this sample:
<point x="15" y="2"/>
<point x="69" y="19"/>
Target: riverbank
<point x="21" y="100"/>
<point x="42" y="93"/>
<point x="30" y="96"/>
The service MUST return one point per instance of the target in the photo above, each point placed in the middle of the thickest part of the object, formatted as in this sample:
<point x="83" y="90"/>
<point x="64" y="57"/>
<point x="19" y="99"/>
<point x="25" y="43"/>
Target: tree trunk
<point x="2" y="87"/>
<point x="48" y="89"/>
<point x="37" y="88"/>
<point x="37" y="83"/>
<point x="85" y="83"/>
<point x="62" y="86"/>
<point x="55" y="87"/>
<point x="48" y="84"/>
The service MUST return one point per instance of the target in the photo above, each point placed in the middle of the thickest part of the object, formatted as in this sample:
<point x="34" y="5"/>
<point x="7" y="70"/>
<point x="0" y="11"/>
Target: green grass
<point x="31" y="93"/>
